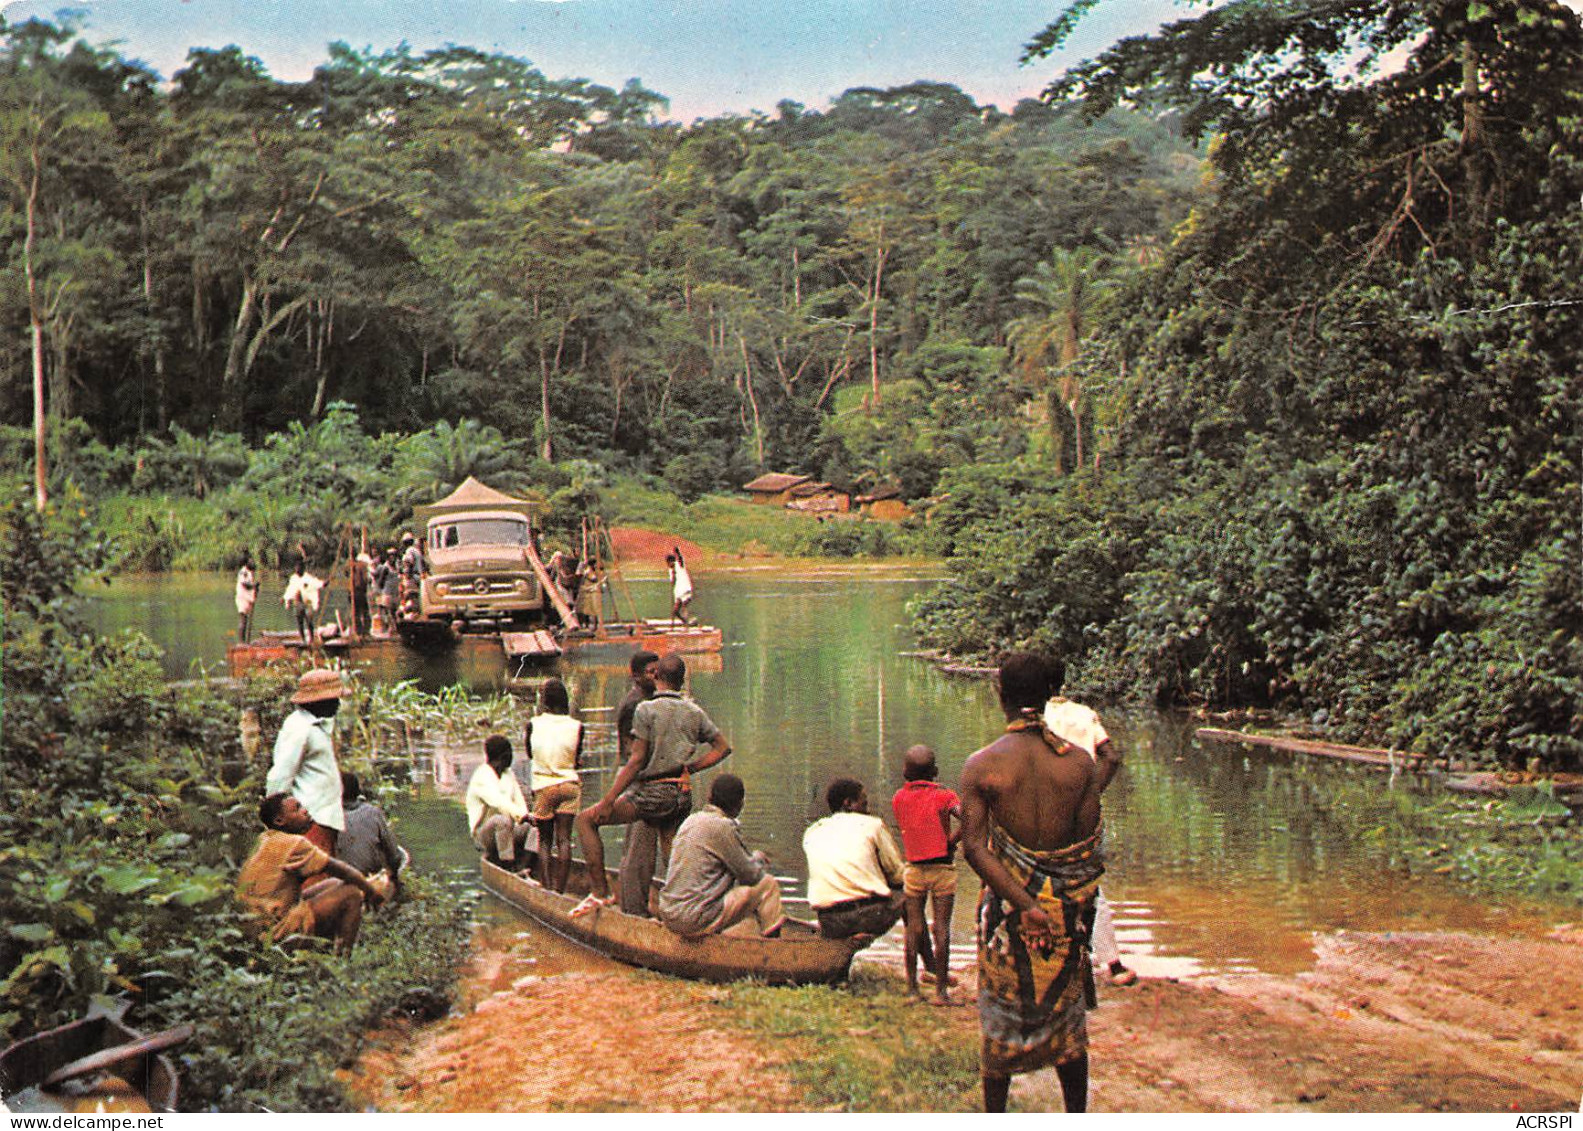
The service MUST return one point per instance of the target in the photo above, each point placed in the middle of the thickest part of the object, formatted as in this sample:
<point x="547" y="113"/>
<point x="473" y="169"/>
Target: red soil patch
<point x="637" y="546"/>
<point x="578" y="1042"/>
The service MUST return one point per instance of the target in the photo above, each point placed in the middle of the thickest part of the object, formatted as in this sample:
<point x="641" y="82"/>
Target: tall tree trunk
<point x="747" y="380"/>
<point x="545" y="449"/>
<point x="873" y="318"/>
<point x="321" y="338"/>
<point x="159" y="339"/>
<point x="231" y="380"/>
<point x="1473" y="143"/>
<point x="36" y="325"/>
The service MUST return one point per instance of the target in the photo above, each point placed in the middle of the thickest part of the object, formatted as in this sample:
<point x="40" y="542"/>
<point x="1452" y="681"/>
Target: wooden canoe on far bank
<point x="799" y="957"/>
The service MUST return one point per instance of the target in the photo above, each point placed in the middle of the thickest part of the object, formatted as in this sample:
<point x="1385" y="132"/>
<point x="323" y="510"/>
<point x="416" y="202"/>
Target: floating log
<point x="1363" y="755"/>
<point x="967" y="669"/>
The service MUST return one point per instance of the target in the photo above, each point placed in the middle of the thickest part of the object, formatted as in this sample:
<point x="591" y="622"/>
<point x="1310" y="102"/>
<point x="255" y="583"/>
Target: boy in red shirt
<point x="924" y="809"/>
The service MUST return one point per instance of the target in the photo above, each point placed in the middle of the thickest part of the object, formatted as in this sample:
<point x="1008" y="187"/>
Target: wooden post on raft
<point x="551" y="590"/>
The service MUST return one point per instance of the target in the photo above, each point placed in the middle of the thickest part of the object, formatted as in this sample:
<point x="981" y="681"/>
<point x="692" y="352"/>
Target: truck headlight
<point x="442" y="587"/>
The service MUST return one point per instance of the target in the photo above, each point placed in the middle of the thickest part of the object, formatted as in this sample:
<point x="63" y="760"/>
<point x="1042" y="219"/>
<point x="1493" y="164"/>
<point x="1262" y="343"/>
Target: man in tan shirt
<point x="271" y="883"/>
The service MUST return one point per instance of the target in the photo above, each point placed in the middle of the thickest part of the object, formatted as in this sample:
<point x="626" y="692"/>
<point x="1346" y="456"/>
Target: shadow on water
<point x="1220" y="860"/>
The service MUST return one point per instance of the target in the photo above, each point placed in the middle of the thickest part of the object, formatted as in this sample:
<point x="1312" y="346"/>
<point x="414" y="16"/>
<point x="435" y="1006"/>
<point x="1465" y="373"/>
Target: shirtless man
<point x="1031" y="824"/>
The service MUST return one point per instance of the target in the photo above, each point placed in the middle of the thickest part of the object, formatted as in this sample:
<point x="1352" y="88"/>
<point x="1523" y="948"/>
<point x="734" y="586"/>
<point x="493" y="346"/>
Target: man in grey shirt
<point x="666" y="733"/>
<point x="714" y="882"/>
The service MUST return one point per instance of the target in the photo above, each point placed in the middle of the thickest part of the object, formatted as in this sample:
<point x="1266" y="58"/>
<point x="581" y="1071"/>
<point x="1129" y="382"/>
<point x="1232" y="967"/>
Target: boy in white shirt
<point x="1080" y="725"/>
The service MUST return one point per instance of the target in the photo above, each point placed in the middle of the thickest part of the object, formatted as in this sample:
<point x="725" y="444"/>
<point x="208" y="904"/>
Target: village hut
<point x="819" y="498"/>
<point x="884" y="503"/>
<point x="774" y="488"/>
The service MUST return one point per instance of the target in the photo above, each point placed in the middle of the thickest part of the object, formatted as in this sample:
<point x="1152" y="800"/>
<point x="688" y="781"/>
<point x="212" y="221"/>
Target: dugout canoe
<point x="799" y="957"/>
<point x="104" y="1056"/>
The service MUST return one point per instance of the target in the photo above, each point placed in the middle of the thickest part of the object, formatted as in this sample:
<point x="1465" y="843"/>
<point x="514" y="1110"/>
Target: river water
<point x="1220" y="860"/>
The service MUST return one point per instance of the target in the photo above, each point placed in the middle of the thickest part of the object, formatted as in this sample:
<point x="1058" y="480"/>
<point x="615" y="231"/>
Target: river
<point x="1220" y="860"/>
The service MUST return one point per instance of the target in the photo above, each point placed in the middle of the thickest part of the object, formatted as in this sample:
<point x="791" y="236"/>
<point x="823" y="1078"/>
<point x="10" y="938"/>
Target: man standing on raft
<point x="1031" y="830"/>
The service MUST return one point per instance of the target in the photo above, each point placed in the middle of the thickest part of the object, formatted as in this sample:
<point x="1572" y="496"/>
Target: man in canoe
<point x="854" y="870"/>
<point x="497" y="813"/>
<point x="637" y="865"/>
<point x="554" y="744"/>
<point x="714" y="883"/>
<point x="1031" y="830"/>
<point x="654" y="783"/>
<point x="270" y="887"/>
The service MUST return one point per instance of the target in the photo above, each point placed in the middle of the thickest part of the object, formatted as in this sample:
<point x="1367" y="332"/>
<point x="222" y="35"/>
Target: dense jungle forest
<point x="1241" y="369"/>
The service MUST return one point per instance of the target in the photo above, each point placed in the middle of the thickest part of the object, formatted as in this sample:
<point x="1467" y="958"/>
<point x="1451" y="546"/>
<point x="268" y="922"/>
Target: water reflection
<point x="1220" y="860"/>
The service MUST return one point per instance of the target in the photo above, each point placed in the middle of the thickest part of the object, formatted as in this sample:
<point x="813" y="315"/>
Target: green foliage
<point x="273" y="1027"/>
<point x="126" y="807"/>
<point x="452" y="236"/>
<point x="1343" y="477"/>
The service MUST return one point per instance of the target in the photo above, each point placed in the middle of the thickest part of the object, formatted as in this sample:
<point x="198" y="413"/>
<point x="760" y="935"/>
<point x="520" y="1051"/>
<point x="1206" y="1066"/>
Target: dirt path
<point x="606" y="1039"/>
<point x="1384" y="1022"/>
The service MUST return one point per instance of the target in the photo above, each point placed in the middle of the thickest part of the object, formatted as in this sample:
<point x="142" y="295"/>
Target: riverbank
<point x="1432" y="1021"/>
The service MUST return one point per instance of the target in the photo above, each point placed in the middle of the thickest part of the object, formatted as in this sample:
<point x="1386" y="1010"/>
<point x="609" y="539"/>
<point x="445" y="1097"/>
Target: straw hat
<point x="318" y="685"/>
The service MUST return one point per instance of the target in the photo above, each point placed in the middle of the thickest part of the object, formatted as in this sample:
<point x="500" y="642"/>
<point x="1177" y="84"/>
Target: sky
<point x="707" y="56"/>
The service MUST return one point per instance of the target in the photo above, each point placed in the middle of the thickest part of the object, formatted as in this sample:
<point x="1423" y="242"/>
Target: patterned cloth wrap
<point x="1032" y="1003"/>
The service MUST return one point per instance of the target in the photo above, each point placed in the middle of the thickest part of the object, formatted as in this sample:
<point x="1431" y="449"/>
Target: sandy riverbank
<point x="1383" y="1022"/>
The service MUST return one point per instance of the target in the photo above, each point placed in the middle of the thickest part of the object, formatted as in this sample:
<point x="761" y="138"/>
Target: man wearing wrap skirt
<point x="1031" y="830"/>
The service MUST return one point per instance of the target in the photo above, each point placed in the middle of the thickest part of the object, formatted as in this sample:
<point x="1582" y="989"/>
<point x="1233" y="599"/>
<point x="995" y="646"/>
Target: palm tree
<point x="435" y="462"/>
<point x="1063" y="295"/>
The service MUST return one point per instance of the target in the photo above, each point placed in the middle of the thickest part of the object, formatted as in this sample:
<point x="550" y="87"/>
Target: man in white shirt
<point x="304" y="763"/>
<point x="497" y="813"/>
<point x="302" y="598"/>
<point x="854" y="868"/>
<point x="681" y="586"/>
<point x="246" y="595"/>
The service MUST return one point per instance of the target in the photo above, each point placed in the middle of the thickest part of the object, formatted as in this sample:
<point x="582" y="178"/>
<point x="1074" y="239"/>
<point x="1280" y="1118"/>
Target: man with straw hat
<point x="305" y="764"/>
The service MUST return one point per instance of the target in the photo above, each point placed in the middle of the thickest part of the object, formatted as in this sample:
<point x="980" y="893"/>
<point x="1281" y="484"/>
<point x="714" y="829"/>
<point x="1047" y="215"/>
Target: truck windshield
<point x="479" y="532"/>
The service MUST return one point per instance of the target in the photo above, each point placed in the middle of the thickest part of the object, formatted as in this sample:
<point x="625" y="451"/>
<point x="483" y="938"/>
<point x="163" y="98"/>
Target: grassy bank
<point x="866" y="1046"/>
<point x="173" y="533"/>
<point x="728" y="525"/>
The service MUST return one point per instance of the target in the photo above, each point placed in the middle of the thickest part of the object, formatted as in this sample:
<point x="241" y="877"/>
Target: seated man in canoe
<point x="271" y="883"/>
<point x="714" y="883"/>
<point x="497" y="813"/>
<point x="1031" y="830"/>
<point x="654" y="783"/>
<point x="854" y="869"/>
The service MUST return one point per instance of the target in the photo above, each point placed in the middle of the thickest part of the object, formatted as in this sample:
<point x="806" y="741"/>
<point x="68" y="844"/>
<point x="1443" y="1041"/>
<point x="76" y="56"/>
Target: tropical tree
<point x="435" y="462"/>
<point x="47" y="126"/>
<point x="1064" y="296"/>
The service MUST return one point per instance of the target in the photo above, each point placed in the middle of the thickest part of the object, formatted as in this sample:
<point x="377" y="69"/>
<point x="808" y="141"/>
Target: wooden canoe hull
<point x="799" y="957"/>
<point x="26" y="1063"/>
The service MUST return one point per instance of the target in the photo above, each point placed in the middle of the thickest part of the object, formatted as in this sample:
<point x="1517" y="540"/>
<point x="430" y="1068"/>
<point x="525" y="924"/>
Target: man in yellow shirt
<point x="271" y="883"/>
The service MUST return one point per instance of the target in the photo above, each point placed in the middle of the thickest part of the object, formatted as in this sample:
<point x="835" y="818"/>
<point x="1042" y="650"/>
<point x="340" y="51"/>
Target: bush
<point x="126" y="807"/>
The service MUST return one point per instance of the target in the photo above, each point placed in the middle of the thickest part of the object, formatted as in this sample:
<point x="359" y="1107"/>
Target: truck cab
<point x="479" y="570"/>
